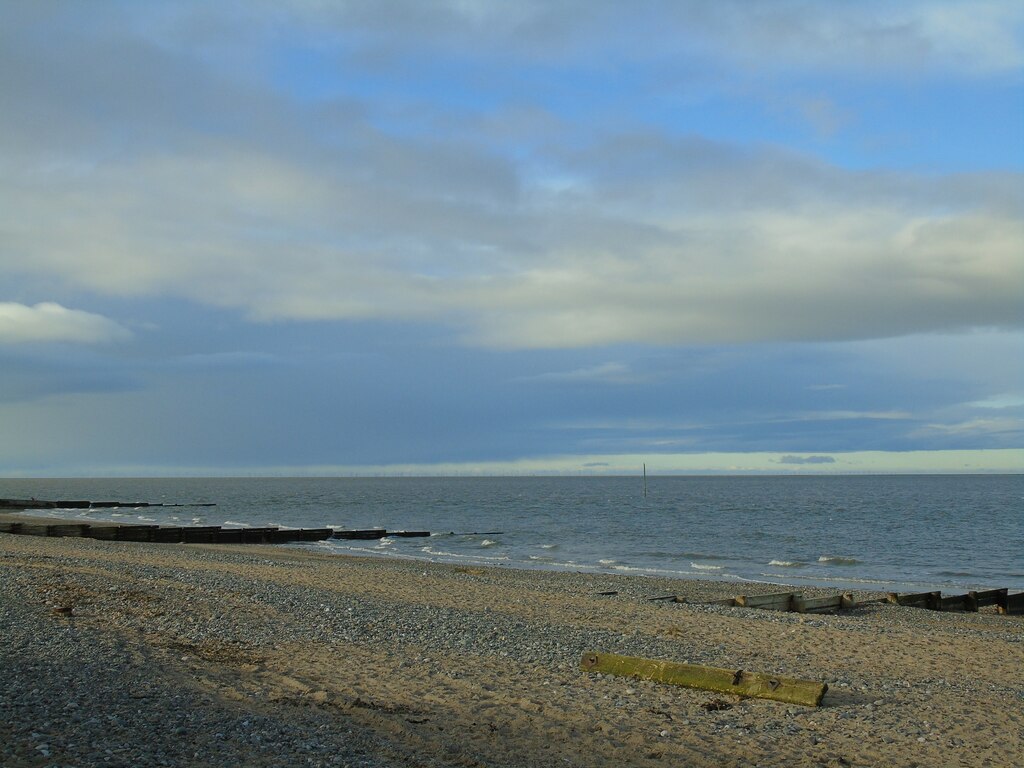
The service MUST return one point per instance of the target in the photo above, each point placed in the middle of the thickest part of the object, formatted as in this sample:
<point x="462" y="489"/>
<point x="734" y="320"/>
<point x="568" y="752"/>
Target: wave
<point x="699" y="567"/>
<point x="708" y="556"/>
<point x="607" y="561"/>
<point x="819" y="580"/>
<point x="488" y="543"/>
<point x="456" y="555"/>
<point x="787" y="563"/>
<point x="838" y="560"/>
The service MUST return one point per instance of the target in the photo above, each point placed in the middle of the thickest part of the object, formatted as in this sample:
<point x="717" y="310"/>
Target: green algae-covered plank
<point x="739" y="682"/>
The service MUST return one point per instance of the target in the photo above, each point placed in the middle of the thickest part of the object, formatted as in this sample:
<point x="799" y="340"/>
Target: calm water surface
<point x="868" y="532"/>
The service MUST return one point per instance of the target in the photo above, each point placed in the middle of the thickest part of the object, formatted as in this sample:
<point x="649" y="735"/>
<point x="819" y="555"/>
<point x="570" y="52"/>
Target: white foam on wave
<point x="549" y="546"/>
<point x="837" y="560"/>
<point x="787" y="563"/>
<point x="235" y="523"/>
<point x="700" y="567"/>
<point x="442" y="553"/>
<point x="661" y="572"/>
<point x="337" y="547"/>
<point x="607" y="561"/>
<point x="488" y="543"/>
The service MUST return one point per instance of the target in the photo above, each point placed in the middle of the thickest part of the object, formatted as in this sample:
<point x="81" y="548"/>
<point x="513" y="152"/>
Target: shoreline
<point x="336" y="660"/>
<point x="794" y="581"/>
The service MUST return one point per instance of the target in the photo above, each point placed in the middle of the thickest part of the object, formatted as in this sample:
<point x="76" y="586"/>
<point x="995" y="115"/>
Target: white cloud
<point x="800" y="253"/>
<point x="50" y="322"/>
<point x="999" y="402"/>
<point x="608" y="373"/>
<point x="645" y="238"/>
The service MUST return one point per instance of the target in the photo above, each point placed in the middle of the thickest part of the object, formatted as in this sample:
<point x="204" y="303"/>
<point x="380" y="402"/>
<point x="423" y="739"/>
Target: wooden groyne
<point x="194" y="534"/>
<point x="21" y="505"/>
<point x="781" y="601"/>
<point x="1006" y="603"/>
<point x="1011" y="605"/>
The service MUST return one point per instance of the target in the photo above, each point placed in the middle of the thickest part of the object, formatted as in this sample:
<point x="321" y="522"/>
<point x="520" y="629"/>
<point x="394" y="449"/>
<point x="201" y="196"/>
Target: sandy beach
<point x="116" y="653"/>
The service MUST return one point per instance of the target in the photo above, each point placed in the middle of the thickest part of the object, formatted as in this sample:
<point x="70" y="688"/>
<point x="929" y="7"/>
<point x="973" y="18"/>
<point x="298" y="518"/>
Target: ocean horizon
<point x="867" y="532"/>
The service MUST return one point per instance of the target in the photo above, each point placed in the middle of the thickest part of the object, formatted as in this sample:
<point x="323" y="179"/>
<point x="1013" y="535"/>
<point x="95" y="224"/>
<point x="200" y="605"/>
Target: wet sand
<point x="358" y="661"/>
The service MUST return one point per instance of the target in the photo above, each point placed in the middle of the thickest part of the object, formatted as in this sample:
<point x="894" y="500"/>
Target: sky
<point x="482" y="237"/>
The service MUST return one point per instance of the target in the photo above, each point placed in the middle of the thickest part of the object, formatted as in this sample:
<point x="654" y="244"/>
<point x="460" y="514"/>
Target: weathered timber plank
<point x="256" y="535"/>
<point x="136" y="532"/>
<point x="957" y="603"/>
<point x="779" y="601"/>
<point x="69" y="529"/>
<point x="918" y="600"/>
<point x="200" y="534"/>
<point x="373" y="533"/>
<point x="314" y="534"/>
<point x="104" y="532"/>
<point x="752" y="684"/>
<point x="1013" y="605"/>
<point x="34" y="529"/>
<point x="229" y="536"/>
<point x="803" y="604"/>
<point x="989" y="597"/>
<point x="167" y="535"/>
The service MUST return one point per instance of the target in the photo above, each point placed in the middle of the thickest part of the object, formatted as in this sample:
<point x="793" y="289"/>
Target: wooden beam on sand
<point x="802" y="604"/>
<point x="739" y="682"/>
<point x="778" y="601"/>
<point x="917" y="600"/>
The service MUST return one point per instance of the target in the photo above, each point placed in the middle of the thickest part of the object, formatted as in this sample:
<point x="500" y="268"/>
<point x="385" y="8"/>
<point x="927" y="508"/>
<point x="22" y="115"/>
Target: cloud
<point x="807" y="460"/>
<point x="799" y="252"/>
<point x="921" y="35"/>
<point x="50" y="322"/>
<point x="613" y="373"/>
<point x="171" y="167"/>
<point x="1000" y="402"/>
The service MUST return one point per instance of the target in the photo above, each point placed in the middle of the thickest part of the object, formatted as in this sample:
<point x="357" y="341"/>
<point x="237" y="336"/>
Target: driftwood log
<point x="739" y="682"/>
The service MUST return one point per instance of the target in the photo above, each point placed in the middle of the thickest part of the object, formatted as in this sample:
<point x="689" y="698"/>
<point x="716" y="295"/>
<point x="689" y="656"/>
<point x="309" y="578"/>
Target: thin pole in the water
<point x="645" y="480"/>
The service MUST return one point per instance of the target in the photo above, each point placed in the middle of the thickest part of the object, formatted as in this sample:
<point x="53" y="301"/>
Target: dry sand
<point x="354" y="661"/>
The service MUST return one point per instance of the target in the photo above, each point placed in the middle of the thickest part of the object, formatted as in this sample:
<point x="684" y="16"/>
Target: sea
<point x="866" y="532"/>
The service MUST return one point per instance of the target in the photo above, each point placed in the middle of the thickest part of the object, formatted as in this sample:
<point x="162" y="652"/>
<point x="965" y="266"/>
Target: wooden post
<point x="790" y="690"/>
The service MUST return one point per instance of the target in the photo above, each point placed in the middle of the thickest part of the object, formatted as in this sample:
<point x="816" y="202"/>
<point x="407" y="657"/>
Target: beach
<point x="120" y="653"/>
